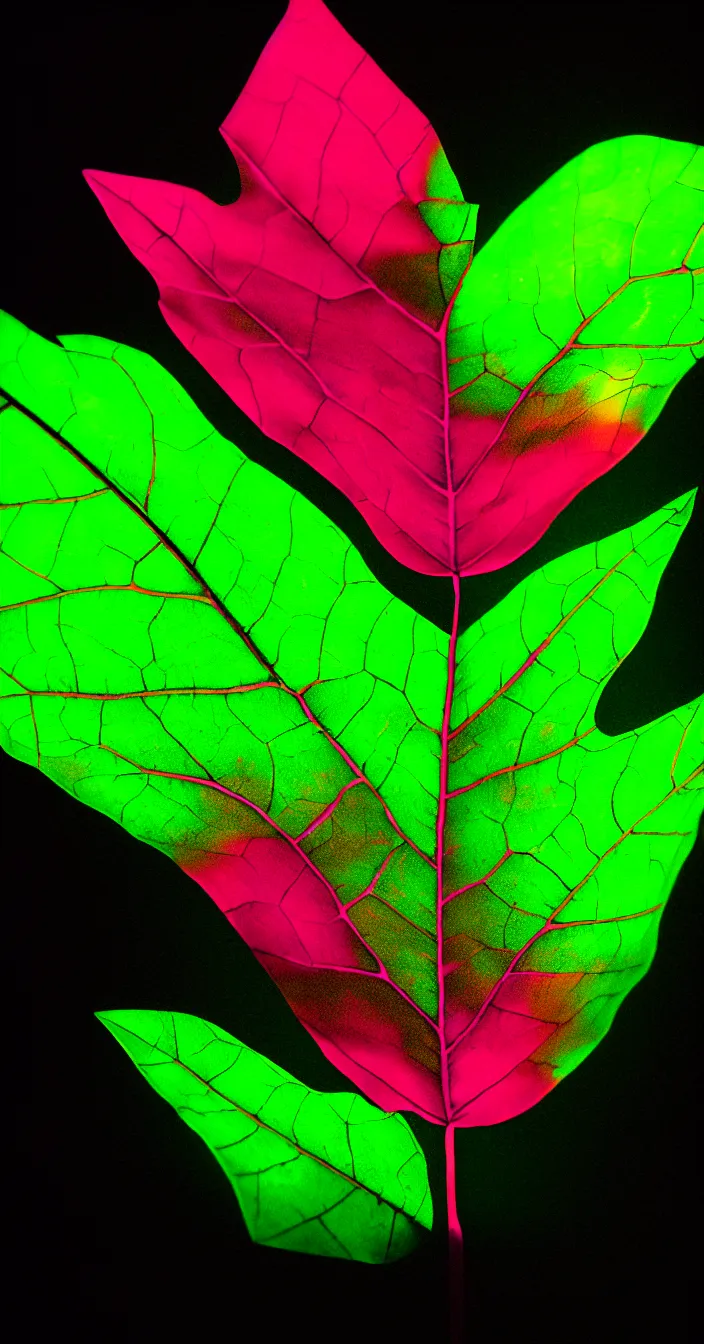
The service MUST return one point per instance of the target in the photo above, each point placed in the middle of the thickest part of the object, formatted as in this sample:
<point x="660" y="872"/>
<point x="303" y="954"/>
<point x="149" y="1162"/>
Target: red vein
<point x="479" y="882"/>
<point x="662" y="832"/>
<point x="691" y="248"/>
<point x="362" y="777"/>
<point x="328" y="811"/>
<point x="144" y="695"/>
<point x="522" y="765"/>
<point x="104" y="588"/>
<point x="394" y="908"/>
<point x="638" y="345"/>
<point x="56" y="499"/>
<point x="610" y="919"/>
<point x="369" y="889"/>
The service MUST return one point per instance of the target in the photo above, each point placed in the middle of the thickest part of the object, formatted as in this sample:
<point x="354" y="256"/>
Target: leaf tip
<point x="682" y="507"/>
<point x="113" y="1018"/>
<point x="101" y="183"/>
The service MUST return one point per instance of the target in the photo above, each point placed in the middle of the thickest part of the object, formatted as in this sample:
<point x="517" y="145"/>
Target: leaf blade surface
<point x="322" y="1173"/>
<point x="459" y="979"/>
<point x="460" y="404"/>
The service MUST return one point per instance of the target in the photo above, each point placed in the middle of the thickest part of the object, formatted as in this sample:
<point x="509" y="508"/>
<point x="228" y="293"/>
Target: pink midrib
<point x="440" y="845"/>
<point x="369" y="283"/>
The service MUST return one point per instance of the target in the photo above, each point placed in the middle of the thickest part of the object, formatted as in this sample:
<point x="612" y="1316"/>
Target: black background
<point x="581" y="1217"/>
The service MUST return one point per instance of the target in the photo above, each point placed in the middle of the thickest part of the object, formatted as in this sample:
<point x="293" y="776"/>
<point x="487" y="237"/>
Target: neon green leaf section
<point x="192" y="648"/>
<point x="324" y="1173"/>
<point x="586" y="307"/>
<point x="160" y="588"/>
<point x="576" y="837"/>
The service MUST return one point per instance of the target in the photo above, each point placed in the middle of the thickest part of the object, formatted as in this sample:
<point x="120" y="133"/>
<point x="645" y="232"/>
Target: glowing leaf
<point x="325" y="1173"/>
<point x="452" y="875"/>
<point x="459" y="409"/>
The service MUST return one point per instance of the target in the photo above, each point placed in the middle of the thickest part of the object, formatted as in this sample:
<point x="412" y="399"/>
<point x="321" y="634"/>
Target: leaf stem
<point x="455" y="1244"/>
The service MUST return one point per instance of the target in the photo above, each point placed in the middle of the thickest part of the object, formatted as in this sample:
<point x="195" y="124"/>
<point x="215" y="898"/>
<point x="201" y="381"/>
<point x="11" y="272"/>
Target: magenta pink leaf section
<point x="289" y="915"/>
<point x="329" y="301"/>
<point x="315" y="299"/>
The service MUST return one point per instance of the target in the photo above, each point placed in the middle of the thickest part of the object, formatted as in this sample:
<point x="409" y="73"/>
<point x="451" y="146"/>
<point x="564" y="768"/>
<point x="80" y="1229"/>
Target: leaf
<point x="459" y="409"/>
<point x="193" y="649"/>
<point x="320" y="1172"/>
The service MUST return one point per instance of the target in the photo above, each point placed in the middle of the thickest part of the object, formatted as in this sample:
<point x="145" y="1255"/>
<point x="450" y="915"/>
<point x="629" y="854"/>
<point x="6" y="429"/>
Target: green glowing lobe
<point x="192" y="648"/>
<point x="586" y="306"/>
<point x="180" y="596"/>
<point x="324" y="1173"/>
